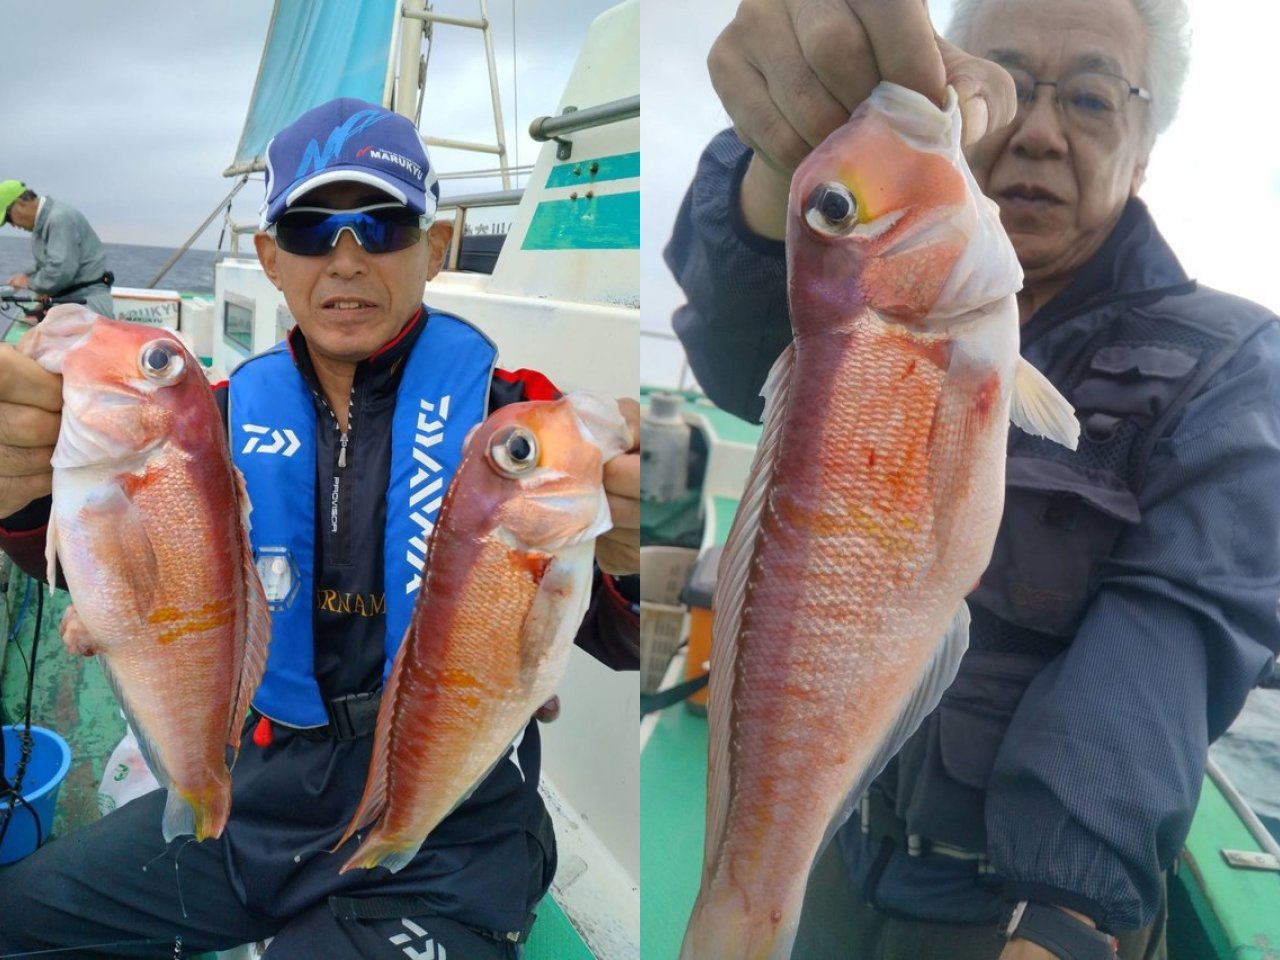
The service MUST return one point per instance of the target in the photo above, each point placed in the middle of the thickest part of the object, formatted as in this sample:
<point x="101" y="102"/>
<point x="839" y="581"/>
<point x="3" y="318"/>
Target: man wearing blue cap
<point x="348" y="235"/>
<point x="70" y="261"/>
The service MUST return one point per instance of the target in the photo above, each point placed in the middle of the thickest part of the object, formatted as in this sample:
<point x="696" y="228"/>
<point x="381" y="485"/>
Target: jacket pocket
<point x="1059" y="520"/>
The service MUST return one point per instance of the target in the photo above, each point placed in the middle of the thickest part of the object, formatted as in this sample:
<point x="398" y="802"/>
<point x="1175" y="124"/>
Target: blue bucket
<point x="50" y="761"/>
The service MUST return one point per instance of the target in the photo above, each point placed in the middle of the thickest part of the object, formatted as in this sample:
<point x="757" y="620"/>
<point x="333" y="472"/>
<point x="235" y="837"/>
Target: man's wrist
<point x="1067" y="934"/>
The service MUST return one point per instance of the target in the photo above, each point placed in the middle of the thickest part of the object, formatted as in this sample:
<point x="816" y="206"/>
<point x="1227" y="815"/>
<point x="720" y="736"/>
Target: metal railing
<point x="573" y="120"/>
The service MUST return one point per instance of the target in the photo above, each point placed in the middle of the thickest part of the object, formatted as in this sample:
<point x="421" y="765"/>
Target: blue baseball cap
<point x="348" y="140"/>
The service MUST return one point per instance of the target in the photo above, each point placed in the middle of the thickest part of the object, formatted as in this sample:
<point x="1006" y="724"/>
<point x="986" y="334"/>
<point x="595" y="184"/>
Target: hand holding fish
<point x="618" y="550"/>
<point x="789" y="73"/>
<point x="30" y="401"/>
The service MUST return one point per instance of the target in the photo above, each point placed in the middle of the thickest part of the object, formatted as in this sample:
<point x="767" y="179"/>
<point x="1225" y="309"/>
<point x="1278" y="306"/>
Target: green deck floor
<point x="673" y="798"/>
<point x="70" y="696"/>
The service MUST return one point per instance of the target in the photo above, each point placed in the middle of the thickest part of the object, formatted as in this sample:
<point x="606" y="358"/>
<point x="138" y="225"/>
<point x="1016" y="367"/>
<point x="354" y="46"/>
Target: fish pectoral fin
<point x="937" y="676"/>
<point x="75" y="635"/>
<point x="122" y="544"/>
<point x="1039" y="409"/>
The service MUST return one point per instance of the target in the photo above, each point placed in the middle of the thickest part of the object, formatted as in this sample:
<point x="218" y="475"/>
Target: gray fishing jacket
<point x="68" y="253"/>
<point x="1130" y="603"/>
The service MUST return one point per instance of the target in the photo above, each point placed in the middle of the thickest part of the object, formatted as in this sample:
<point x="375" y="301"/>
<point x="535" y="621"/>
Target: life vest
<point x="272" y="416"/>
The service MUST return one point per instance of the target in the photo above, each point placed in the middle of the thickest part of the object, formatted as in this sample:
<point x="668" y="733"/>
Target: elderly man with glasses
<point x="1129" y="606"/>
<point x="348" y="235"/>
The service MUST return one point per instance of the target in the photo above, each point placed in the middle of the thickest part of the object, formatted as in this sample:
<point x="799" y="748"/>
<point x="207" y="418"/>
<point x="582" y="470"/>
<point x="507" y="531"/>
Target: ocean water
<point x="133" y="265"/>
<point x="1249" y="754"/>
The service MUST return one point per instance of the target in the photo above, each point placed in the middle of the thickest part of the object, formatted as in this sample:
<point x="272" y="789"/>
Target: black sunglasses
<point x="380" y="228"/>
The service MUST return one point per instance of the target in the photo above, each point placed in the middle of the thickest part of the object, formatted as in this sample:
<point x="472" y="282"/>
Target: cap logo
<point x="399" y="160"/>
<point x="313" y="158"/>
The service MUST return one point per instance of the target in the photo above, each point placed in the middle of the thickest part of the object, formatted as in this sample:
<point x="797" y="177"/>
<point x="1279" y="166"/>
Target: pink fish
<point x="871" y="509"/>
<point x="507" y="583"/>
<point x="150" y="526"/>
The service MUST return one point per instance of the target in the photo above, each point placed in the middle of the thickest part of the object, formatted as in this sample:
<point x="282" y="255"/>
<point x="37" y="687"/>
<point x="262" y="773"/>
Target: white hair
<point x="1168" y="50"/>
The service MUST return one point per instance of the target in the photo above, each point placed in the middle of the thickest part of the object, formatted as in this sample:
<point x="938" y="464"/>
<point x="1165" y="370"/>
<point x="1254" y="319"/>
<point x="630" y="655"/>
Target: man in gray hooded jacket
<point x="69" y="257"/>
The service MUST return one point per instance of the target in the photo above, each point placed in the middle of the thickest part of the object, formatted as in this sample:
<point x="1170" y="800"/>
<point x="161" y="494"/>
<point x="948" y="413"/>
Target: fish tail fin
<point x="201" y="812"/>
<point x="721" y="927"/>
<point x="379" y="851"/>
<point x="1039" y="409"/>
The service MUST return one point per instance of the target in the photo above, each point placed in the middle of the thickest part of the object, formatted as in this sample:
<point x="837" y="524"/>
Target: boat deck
<point x="70" y="695"/>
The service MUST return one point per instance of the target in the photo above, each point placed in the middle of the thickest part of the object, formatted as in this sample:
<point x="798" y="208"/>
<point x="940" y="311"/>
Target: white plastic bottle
<point x="664" y="449"/>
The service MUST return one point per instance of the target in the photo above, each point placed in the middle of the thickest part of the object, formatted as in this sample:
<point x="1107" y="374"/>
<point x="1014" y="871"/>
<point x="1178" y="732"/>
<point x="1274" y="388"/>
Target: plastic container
<point x="698" y="596"/>
<point x="664" y="571"/>
<point x="664" y="449"/>
<point x="50" y="761"/>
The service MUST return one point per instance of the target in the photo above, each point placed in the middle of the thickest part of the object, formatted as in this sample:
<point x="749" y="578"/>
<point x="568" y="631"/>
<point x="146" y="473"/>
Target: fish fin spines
<point x="730" y="593"/>
<point x="257" y="626"/>
<point x="1039" y="409"/>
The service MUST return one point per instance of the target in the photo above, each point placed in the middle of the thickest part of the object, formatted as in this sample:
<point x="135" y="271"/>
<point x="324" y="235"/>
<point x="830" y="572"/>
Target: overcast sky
<point x="132" y="110"/>
<point x="1213" y="182"/>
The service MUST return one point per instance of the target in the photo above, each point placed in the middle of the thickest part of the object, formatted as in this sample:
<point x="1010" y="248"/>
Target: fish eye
<point x="513" y="451"/>
<point x="162" y="361"/>
<point x="831" y="209"/>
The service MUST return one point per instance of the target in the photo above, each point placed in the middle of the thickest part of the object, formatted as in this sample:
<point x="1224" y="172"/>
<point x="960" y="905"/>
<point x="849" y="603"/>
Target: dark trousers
<point x="836" y="924"/>
<point x="114" y="882"/>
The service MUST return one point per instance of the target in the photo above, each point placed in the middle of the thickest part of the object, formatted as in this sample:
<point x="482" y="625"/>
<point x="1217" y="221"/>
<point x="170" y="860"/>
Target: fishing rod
<point x="33" y="305"/>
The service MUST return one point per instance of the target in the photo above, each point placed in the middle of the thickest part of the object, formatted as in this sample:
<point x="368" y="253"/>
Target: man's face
<point x="1062" y="184"/>
<point x="349" y="302"/>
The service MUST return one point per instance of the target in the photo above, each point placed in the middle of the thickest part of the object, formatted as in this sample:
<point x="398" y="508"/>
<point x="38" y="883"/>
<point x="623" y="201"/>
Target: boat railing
<point x="461" y="205"/>
<point x="1266" y="842"/>
<point x="573" y="119"/>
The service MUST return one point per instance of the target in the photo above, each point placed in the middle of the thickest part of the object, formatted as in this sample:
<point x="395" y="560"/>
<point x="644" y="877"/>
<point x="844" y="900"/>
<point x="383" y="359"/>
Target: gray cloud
<point x="131" y="110"/>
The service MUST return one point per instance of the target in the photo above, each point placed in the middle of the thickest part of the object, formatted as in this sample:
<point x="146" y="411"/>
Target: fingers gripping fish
<point x="871" y="509"/>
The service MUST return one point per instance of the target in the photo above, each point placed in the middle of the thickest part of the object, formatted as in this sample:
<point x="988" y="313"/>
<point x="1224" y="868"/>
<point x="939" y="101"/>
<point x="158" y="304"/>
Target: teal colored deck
<point x="70" y="696"/>
<point x="673" y="799"/>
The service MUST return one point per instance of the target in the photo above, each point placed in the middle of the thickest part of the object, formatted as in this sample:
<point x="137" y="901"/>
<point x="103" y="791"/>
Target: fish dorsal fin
<point x="730" y="593"/>
<point x="1039" y="409"/>
<point x="937" y="676"/>
<point x="257" y="625"/>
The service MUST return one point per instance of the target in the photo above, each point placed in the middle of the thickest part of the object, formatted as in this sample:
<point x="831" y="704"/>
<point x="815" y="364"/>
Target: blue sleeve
<point x="736" y="322"/>
<point x="1097" y="780"/>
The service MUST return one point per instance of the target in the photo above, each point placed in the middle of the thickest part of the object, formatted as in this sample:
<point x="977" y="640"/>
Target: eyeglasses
<point x="379" y="228"/>
<point x="1091" y="101"/>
